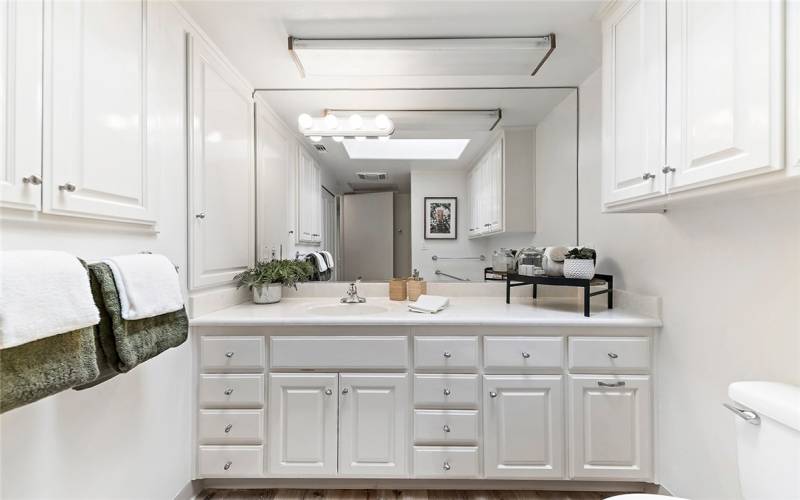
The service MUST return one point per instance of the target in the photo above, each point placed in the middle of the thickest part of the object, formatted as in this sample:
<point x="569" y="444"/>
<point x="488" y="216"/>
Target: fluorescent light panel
<point x="480" y="120"/>
<point x="406" y="149"/>
<point x="421" y="56"/>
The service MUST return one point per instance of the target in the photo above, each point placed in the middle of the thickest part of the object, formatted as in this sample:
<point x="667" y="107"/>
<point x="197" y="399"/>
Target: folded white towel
<point x="320" y="260"/>
<point x="328" y="258"/>
<point x="147" y="285"/>
<point x="43" y="293"/>
<point x="429" y="304"/>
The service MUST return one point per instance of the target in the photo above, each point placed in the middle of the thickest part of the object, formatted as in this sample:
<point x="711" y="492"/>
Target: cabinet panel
<point x="446" y="391"/>
<point x="609" y="354"/>
<point x="446" y="427"/>
<point x="633" y="101"/>
<point x="446" y="353"/>
<point x="374" y="417"/>
<point x="523" y="354"/>
<point x="446" y="461"/>
<point x="95" y="121"/>
<point x="793" y="87"/>
<point x="228" y="353"/>
<point x="230" y="427"/>
<point x="309" y="201"/>
<point x="221" y="212"/>
<point x="231" y="391"/>
<point x="610" y="427"/>
<point x="230" y="461"/>
<point x="523" y="426"/>
<point x="303" y="423"/>
<point x="725" y="97"/>
<point x="330" y="352"/>
<point x="20" y="104"/>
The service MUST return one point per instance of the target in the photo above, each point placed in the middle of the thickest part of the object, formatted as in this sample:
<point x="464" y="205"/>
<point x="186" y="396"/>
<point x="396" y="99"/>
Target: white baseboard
<point x="191" y="489"/>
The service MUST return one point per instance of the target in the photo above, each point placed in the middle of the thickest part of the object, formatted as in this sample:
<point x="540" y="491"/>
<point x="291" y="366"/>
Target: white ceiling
<point x="253" y="35"/>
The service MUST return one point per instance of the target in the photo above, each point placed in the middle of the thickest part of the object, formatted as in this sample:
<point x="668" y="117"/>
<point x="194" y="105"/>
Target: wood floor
<point x="286" y="494"/>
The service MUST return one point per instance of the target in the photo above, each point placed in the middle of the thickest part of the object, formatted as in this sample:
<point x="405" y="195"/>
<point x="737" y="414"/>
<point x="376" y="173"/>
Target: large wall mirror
<point x="453" y="176"/>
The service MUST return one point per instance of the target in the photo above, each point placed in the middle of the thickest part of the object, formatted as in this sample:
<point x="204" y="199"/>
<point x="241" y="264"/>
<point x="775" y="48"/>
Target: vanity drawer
<point x="446" y="391"/>
<point x="231" y="353"/>
<point x="446" y="427"/>
<point x="230" y="461"/>
<point x="231" y="391"/>
<point x="230" y="426"/>
<point x="523" y="353"/>
<point x="450" y="461"/>
<point x="609" y="354"/>
<point x="446" y="353"/>
<point x="388" y="353"/>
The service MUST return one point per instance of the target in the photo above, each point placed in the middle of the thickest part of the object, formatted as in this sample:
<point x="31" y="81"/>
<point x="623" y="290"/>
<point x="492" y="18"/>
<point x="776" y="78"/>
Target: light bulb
<point x="315" y="138"/>
<point x="338" y="138"/>
<point x="356" y="122"/>
<point x="305" y="121"/>
<point x="331" y="122"/>
<point x="361" y="138"/>
<point x="383" y="122"/>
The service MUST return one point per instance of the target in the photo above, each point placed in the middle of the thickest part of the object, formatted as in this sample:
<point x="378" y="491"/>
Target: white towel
<point x="429" y="304"/>
<point x="320" y="260"/>
<point x="328" y="258"/>
<point x="147" y="285"/>
<point x="43" y="293"/>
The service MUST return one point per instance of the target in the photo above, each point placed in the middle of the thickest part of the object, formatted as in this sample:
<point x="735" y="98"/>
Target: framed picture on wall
<point x="441" y="218"/>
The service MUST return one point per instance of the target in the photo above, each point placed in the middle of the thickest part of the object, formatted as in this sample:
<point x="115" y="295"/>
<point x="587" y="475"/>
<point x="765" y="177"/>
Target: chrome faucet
<point x="352" y="294"/>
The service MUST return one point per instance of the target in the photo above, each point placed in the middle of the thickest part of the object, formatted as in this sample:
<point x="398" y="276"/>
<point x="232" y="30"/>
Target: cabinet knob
<point x="648" y="175"/>
<point x="229" y="354"/>
<point x="446" y="428"/>
<point x="68" y="187"/>
<point x="228" y="391"/>
<point x="446" y="465"/>
<point x="447" y="354"/>
<point x="619" y="383"/>
<point x="32" y="179"/>
<point x="446" y="391"/>
<point x="228" y="428"/>
<point x="201" y="215"/>
<point x="612" y="355"/>
<point x="667" y="170"/>
<point x="492" y="394"/>
<point x="227" y="465"/>
<point x="328" y="392"/>
<point x="345" y="390"/>
<point x="526" y="355"/>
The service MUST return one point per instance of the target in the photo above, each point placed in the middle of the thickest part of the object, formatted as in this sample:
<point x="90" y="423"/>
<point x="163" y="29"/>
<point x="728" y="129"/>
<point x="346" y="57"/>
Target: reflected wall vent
<point x="372" y="176"/>
<point x="320" y="148"/>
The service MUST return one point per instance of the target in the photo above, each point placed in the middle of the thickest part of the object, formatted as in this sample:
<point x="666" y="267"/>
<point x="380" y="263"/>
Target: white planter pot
<point x="579" y="268"/>
<point x="267" y="294"/>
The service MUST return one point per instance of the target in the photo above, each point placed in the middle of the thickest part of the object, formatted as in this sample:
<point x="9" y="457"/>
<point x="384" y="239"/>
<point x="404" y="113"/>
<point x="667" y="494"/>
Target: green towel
<point x="121" y="344"/>
<point x="32" y="371"/>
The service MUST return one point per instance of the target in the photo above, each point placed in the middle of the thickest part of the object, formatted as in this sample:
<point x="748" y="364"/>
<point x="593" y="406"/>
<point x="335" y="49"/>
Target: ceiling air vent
<point x="372" y="176"/>
<point x="320" y="148"/>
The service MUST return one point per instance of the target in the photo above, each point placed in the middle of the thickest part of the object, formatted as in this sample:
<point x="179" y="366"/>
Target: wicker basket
<point x="397" y="289"/>
<point x="416" y="288"/>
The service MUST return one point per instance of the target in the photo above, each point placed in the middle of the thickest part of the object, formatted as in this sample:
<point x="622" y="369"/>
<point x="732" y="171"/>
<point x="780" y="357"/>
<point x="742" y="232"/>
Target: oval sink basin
<point x="347" y="310"/>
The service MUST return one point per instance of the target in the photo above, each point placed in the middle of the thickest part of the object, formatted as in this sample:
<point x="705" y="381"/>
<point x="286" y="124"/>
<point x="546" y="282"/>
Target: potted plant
<point x="579" y="263"/>
<point x="267" y="278"/>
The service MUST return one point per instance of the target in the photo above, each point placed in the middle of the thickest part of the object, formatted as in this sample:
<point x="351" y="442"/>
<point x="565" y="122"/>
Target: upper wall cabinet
<point x="687" y="102"/>
<point x="793" y="87"/>
<point x="95" y="122"/>
<point x="20" y="104"/>
<point x="309" y="199"/>
<point x="221" y="200"/>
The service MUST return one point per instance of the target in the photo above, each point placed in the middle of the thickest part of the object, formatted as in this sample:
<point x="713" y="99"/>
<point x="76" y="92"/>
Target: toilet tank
<point x="768" y="446"/>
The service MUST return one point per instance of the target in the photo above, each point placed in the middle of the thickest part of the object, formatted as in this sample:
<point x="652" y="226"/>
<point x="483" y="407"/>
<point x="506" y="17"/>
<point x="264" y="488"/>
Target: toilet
<point x="767" y="416"/>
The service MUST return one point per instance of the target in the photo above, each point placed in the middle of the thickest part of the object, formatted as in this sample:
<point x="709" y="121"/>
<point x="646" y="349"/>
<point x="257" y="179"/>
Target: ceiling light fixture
<point x="356" y="126"/>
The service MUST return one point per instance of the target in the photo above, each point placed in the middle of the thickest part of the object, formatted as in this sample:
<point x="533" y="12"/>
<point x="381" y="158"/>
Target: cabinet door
<point x="95" y="124"/>
<point x="633" y="101"/>
<point x="610" y="427"/>
<point x="221" y="208"/>
<point x="724" y="96"/>
<point x="523" y="426"/>
<point x="793" y="87"/>
<point x="274" y="154"/>
<point x="374" y="414"/>
<point x="305" y="197"/>
<point x="302" y="424"/>
<point x="497" y="186"/>
<point x="20" y="104"/>
<point x="316" y="197"/>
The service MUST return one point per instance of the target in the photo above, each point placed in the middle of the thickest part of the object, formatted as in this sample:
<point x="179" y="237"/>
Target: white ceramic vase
<point x="267" y="294"/>
<point x="579" y="268"/>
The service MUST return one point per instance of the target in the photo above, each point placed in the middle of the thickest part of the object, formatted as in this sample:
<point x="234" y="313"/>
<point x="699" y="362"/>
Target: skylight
<point x="406" y="149"/>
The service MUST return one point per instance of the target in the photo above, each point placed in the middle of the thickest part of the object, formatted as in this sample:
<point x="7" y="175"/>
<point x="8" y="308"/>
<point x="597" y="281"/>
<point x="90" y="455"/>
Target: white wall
<point x="729" y="274"/>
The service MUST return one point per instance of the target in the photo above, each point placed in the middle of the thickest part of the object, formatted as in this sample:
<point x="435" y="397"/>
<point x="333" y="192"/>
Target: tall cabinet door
<point x="95" y="121"/>
<point x="793" y="87"/>
<point x="725" y="96"/>
<point x="221" y="195"/>
<point x="20" y="104"/>
<point x="523" y="426"/>
<point x="374" y="413"/>
<point x="274" y="154"/>
<point x="633" y="101"/>
<point x="302" y="424"/>
<point x="610" y="430"/>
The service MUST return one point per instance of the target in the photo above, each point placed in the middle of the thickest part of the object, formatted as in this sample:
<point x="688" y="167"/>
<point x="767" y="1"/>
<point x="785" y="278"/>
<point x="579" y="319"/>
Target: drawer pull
<point x="619" y="383"/>
<point x="228" y="428"/>
<point x="228" y="391"/>
<point x="526" y="355"/>
<point x="612" y="355"/>
<point x="328" y="392"/>
<point x="446" y="428"/>
<point x="447" y="354"/>
<point x="492" y="394"/>
<point x="227" y="465"/>
<point x="446" y="391"/>
<point x="446" y="465"/>
<point x="68" y="187"/>
<point x="229" y="354"/>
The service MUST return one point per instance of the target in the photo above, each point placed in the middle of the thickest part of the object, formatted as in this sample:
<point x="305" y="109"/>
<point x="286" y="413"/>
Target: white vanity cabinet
<point x="309" y="199"/>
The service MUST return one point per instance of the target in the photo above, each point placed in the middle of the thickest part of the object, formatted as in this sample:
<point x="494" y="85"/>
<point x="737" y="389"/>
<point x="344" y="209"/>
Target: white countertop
<point x="464" y="311"/>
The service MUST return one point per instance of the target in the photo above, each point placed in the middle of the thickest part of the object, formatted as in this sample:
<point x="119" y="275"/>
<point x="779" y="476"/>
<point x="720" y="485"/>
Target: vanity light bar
<point x="354" y="127"/>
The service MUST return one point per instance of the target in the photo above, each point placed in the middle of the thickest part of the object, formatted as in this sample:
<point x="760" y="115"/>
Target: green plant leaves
<point x="286" y="272"/>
